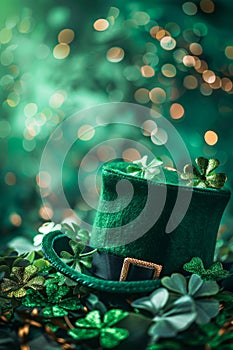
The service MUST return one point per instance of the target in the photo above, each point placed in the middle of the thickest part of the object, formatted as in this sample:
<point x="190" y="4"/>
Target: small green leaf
<point x="113" y="316"/>
<point x="80" y="334"/>
<point x="202" y="163"/>
<point x="111" y="337"/>
<point x="176" y="283"/>
<point x="92" y="320"/>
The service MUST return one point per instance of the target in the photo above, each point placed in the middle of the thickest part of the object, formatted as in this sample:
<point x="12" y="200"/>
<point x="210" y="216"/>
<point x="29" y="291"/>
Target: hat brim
<point x="56" y="241"/>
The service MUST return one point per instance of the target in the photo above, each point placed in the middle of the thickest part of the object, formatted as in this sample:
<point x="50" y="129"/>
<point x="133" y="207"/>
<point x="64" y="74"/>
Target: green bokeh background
<point x="38" y="90"/>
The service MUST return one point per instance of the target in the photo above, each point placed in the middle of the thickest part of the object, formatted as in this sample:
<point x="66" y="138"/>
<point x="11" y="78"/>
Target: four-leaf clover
<point x="142" y="169"/>
<point x="21" y="279"/>
<point x="168" y="318"/>
<point x="204" y="176"/>
<point x="92" y="326"/>
<point x="197" y="290"/>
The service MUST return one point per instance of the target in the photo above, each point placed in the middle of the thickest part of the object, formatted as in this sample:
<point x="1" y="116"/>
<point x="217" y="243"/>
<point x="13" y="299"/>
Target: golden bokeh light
<point x="131" y="154"/>
<point x="157" y="95"/>
<point x="10" y="179"/>
<point x="15" y="219"/>
<point x="190" y="82"/>
<point x="147" y="71"/>
<point x="148" y="127"/>
<point x="101" y="24"/>
<point x="86" y="132"/>
<point x="168" y="43"/>
<point x="142" y="95"/>
<point x="211" y="138"/>
<point x="159" y="137"/>
<point x="226" y="84"/>
<point x="66" y="36"/>
<point x="207" y="6"/>
<point x="43" y="179"/>
<point x="46" y="212"/>
<point x="217" y="84"/>
<point x="229" y="52"/>
<point x="61" y="51"/>
<point x="168" y="70"/>
<point x="206" y="89"/>
<point x="189" y="61"/>
<point x="209" y="76"/>
<point x="200" y="65"/>
<point x="176" y="111"/>
<point x="196" y="49"/>
<point x="115" y="54"/>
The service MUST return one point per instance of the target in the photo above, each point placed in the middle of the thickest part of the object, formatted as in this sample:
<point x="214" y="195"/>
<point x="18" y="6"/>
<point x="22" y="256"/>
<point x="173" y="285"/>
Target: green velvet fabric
<point x="194" y="236"/>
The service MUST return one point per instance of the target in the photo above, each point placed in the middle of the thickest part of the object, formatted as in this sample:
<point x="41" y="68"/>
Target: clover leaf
<point x="169" y="318"/>
<point x="92" y="326"/>
<point x="74" y="232"/>
<point x="77" y="258"/>
<point x="198" y="290"/>
<point x="20" y="279"/>
<point x="204" y="176"/>
<point x="44" y="230"/>
<point x="215" y="271"/>
<point x="142" y="169"/>
<point x="56" y="302"/>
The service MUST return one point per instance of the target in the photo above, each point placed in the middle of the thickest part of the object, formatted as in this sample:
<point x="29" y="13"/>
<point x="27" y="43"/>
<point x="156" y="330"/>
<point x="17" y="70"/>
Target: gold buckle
<point x="128" y="261"/>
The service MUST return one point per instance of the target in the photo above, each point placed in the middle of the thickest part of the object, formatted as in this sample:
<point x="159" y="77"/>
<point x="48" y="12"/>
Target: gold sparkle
<point x="211" y="138"/>
<point x="176" y="111"/>
<point x="142" y="95"/>
<point x="157" y="95"/>
<point x="101" y="24"/>
<point x="66" y="36"/>
<point x="115" y="54"/>
<point x="147" y="71"/>
<point x="61" y="51"/>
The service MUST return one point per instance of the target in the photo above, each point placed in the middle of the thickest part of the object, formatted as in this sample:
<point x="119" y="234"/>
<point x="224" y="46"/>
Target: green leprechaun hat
<point x="149" y="223"/>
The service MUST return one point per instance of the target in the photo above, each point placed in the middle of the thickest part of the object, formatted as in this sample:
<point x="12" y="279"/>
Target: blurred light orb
<point x="56" y="100"/>
<point x="66" y="36"/>
<point x="147" y="71"/>
<point x="148" y="126"/>
<point x="86" y="132"/>
<point x="115" y="54"/>
<point x="159" y="137"/>
<point x="142" y="95"/>
<point x="5" y="35"/>
<point x="101" y="24"/>
<point x="229" y="52"/>
<point x="196" y="49"/>
<point x="15" y="219"/>
<point x="30" y="109"/>
<point x="141" y="18"/>
<point x="226" y="84"/>
<point x="209" y="76"/>
<point x="168" y="43"/>
<point x="189" y="61"/>
<point x="131" y="154"/>
<point x="10" y="179"/>
<point x="207" y="6"/>
<point x="211" y="138"/>
<point x="13" y="99"/>
<point x="190" y="82"/>
<point x="168" y="70"/>
<point x="61" y="51"/>
<point x="157" y="95"/>
<point x="176" y="111"/>
<point x="189" y="8"/>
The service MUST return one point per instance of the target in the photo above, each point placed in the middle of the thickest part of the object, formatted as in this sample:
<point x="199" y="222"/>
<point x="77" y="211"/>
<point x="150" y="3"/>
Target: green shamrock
<point x="92" y="326"/>
<point x="55" y="303"/>
<point x="78" y="258"/>
<point x="168" y="318"/>
<point x="204" y="176"/>
<point x="214" y="272"/>
<point x="197" y="290"/>
<point x="20" y="279"/>
<point x="74" y="232"/>
<point x="142" y="169"/>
